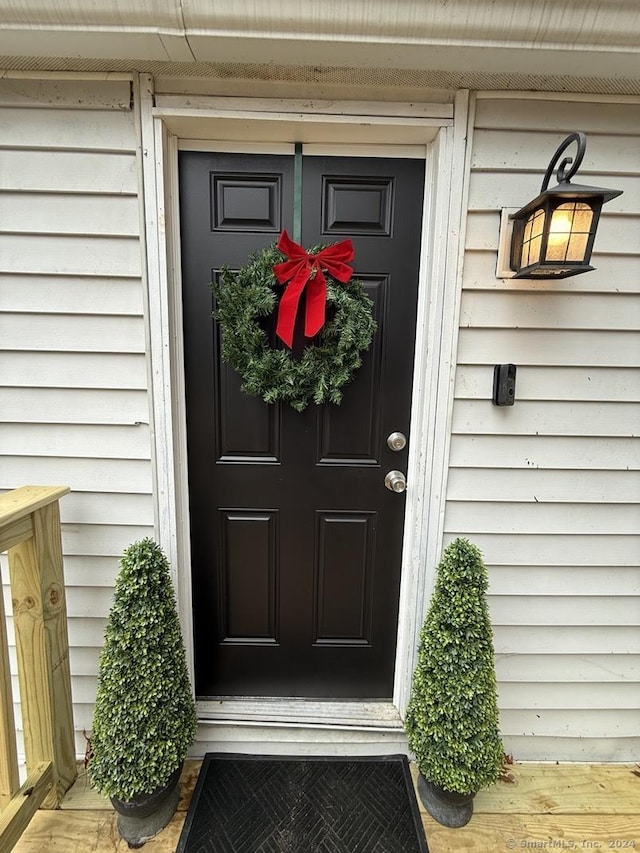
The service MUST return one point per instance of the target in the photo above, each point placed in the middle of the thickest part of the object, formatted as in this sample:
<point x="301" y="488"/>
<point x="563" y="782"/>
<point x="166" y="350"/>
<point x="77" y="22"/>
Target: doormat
<point x="277" y="804"/>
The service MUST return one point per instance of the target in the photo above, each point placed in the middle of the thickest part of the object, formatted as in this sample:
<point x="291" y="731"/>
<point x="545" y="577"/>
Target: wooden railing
<point x="30" y="532"/>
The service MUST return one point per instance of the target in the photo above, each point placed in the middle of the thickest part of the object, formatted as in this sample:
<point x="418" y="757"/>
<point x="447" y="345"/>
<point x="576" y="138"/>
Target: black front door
<point x="296" y="543"/>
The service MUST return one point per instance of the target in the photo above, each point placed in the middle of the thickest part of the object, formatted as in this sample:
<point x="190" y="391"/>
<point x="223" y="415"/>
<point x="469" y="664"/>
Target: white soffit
<point x="574" y="38"/>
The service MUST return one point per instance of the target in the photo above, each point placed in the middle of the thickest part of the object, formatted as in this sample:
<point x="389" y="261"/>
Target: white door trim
<point x="436" y="336"/>
<point x="444" y="219"/>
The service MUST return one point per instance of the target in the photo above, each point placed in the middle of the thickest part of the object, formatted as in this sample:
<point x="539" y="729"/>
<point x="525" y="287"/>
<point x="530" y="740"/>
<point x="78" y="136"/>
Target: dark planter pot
<point x="447" y="807"/>
<point x="142" y="817"/>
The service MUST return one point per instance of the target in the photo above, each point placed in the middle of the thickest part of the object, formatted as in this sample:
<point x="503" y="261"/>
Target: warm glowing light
<point x="569" y="232"/>
<point x="560" y="227"/>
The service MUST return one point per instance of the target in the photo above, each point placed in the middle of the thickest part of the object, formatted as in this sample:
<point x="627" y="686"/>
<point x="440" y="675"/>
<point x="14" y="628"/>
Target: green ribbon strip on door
<point x="297" y="193"/>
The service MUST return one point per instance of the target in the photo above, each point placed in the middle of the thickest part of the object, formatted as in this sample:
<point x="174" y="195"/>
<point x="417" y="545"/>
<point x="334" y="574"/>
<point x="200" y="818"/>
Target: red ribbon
<point x="303" y="269"/>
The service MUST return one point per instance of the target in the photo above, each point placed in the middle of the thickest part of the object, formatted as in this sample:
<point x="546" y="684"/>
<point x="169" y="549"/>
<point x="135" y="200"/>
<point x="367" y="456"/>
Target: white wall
<point x="73" y="376"/>
<point x="549" y="488"/>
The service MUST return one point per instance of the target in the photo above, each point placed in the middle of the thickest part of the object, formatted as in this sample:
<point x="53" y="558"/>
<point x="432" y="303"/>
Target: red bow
<point x="303" y="269"/>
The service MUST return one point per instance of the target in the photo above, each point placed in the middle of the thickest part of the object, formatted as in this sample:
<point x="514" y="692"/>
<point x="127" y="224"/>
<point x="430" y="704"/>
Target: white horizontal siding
<point x="84" y="661"/>
<point x="559" y="116"/>
<point x="593" y="749"/>
<point x="568" y="610"/>
<point x="576" y="549"/>
<point x="536" y="485"/>
<point x="494" y="151"/>
<point x="87" y="631"/>
<point x="548" y="347"/>
<point x="87" y="172"/>
<point x="81" y="474"/>
<point x="106" y="508"/>
<point x="549" y="488"/>
<point x="620" y="723"/>
<point x="530" y="417"/>
<point x="102" y="130"/>
<point x="73" y="333"/>
<point x="573" y="697"/>
<point x="543" y="518"/>
<point x="488" y="193"/>
<point x="68" y="93"/>
<point x="544" y="310"/>
<point x="567" y="640"/>
<point x="76" y="440"/>
<point x="74" y="406"/>
<point x="59" y="294"/>
<point x="100" y="540"/>
<point x="564" y="581"/>
<point x="566" y="668"/>
<point x="84" y="689"/>
<point x="125" y="371"/>
<point x="572" y="452"/>
<point x="617" y="270"/>
<point x="70" y="254"/>
<point x="70" y="214"/>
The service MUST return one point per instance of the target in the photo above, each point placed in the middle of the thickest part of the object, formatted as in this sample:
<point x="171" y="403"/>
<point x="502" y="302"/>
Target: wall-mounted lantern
<point x="553" y="234"/>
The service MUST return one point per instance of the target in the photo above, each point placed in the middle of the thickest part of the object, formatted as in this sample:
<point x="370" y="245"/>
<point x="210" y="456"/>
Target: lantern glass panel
<point x="569" y="232"/>
<point x="532" y="238"/>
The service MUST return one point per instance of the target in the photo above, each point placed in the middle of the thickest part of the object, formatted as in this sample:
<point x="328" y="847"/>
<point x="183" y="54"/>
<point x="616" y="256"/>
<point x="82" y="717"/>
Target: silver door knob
<point x="395" y="481"/>
<point x="397" y="441"/>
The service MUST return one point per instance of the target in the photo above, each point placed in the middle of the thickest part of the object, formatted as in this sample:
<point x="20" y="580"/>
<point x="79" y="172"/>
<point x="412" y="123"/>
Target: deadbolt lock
<point x="397" y="441"/>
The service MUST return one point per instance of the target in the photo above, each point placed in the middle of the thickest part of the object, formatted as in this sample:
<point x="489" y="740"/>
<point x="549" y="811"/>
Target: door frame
<point x="163" y="129"/>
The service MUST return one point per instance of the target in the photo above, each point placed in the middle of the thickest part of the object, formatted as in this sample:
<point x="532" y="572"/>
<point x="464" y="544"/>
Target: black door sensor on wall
<point x="504" y="384"/>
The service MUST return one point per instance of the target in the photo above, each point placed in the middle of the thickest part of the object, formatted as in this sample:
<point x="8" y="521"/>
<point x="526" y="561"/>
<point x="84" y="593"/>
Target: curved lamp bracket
<point x="564" y="174"/>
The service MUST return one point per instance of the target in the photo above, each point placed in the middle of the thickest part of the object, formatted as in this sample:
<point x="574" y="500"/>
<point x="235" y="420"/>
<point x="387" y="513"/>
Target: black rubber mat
<point x="273" y="804"/>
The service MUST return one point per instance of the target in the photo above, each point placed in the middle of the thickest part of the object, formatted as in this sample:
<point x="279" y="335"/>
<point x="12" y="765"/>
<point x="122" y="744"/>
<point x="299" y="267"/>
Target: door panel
<point x="296" y="543"/>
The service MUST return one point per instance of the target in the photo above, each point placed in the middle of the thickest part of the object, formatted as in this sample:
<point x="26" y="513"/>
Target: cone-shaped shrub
<point x="144" y="718"/>
<point x="452" y="718"/>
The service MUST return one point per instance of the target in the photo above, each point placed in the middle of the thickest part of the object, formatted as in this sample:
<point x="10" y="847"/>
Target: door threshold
<point x="370" y="715"/>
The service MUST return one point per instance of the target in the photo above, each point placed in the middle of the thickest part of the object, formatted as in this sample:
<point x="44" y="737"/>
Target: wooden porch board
<point x="546" y="806"/>
<point x="611" y="789"/>
<point x="89" y="832"/>
<point x="492" y="833"/>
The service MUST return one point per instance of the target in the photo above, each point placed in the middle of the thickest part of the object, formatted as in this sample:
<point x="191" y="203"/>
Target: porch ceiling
<point x="575" y="39"/>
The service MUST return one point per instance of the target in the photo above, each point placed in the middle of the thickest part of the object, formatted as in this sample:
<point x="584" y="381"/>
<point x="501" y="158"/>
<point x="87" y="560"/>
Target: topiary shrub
<point x="452" y="718"/>
<point x="144" y="718"/>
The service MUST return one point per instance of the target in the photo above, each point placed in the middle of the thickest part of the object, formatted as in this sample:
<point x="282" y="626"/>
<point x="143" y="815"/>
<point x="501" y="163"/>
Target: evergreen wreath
<point x="246" y="297"/>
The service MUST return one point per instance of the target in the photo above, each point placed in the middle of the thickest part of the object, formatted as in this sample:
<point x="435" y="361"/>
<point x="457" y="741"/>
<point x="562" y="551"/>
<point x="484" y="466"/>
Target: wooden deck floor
<point x="544" y="807"/>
